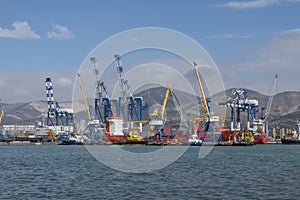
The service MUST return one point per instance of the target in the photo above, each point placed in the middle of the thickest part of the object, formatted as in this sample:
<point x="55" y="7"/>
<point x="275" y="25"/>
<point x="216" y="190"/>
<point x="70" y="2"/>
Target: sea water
<point x="70" y="172"/>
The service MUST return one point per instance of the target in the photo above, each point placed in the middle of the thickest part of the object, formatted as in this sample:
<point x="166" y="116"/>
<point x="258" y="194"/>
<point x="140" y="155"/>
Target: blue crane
<point x="62" y="116"/>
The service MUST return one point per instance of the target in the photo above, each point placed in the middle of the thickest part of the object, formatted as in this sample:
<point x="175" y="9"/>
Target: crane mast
<point x="204" y="102"/>
<point x="163" y="107"/>
<point x="84" y="97"/>
<point x="272" y="93"/>
<point x="1" y="116"/>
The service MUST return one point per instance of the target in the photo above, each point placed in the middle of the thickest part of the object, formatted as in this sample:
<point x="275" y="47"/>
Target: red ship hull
<point x="228" y="135"/>
<point x="115" y="138"/>
<point x="260" y="139"/>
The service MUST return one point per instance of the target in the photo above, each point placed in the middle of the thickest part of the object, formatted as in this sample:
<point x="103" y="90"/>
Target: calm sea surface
<point x="70" y="172"/>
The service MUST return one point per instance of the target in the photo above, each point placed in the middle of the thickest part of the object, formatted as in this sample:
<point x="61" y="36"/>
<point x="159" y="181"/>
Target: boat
<point x="228" y="135"/>
<point x="290" y="141"/>
<point x="194" y="141"/>
<point x="242" y="143"/>
<point x="291" y="138"/>
<point x="260" y="137"/>
<point x="205" y="139"/>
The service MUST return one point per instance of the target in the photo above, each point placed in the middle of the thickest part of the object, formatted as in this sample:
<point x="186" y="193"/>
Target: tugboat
<point x="292" y="137"/>
<point x="194" y="141"/>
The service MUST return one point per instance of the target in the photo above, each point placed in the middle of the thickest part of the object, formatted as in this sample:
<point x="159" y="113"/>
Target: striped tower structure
<point x="50" y="99"/>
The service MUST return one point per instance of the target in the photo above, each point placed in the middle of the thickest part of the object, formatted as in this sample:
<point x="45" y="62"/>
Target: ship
<point x="261" y="139"/>
<point x="291" y="138"/>
<point x="259" y="135"/>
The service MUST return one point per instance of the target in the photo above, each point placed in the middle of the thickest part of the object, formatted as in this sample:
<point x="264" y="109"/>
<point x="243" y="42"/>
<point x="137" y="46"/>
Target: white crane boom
<point x="272" y="93"/>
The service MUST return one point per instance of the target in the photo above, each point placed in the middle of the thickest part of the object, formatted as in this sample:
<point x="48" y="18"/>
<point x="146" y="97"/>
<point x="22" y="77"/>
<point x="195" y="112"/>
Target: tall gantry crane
<point x="63" y="117"/>
<point x="101" y="95"/>
<point x="131" y="107"/>
<point x="238" y="101"/>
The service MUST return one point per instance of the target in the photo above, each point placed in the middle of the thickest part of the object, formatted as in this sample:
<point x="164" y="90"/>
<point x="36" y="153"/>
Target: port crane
<point x="158" y="117"/>
<point x="102" y="99"/>
<point x="160" y="114"/>
<point x="238" y="101"/>
<point x="93" y="125"/>
<point x="206" y="104"/>
<point x="273" y="91"/>
<point x="1" y="115"/>
<point x="87" y="110"/>
<point x="209" y="120"/>
<point x="202" y="95"/>
<point x="261" y="125"/>
<point x="63" y="116"/>
<point x="131" y="107"/>
<point x="98" y="93"/>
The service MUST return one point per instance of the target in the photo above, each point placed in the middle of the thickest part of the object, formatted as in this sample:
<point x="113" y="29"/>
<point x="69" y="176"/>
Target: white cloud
<point x="254" y="3"/>
<point x="280" y="52"/>
<point x="60" y="32"/>
<point x="15" y="88"/>
<point x="64" y="82"/>
<point x="229" y="36"/>
<point x="279" y="56"/>
<point x="21" y="30"/>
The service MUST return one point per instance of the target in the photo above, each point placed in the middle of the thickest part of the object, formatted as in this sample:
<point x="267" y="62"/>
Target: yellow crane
<point x="84" y="97"/>
<point x="202" y="95"/>
<point x="1" y="116"/>
<point x="164" y="104"/>
<point x="155" y="112"/>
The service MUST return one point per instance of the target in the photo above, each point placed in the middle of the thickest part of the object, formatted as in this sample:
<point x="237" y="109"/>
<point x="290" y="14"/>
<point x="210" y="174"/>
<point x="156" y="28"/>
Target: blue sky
<point x="249" y="41"/>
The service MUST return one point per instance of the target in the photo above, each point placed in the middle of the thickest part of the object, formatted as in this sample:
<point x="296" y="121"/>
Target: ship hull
<point x="290" y="141"/>
<point x="260" y="140"/>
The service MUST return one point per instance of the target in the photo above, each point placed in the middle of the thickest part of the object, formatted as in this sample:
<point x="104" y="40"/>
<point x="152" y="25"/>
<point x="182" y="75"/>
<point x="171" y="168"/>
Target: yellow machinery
<point x="51" y="135"/>
<point x="247" y="136"/>
<point x="282" y="133"/>
<point x="164" y="104"/>
<point x="204" y="102"/>
<point x="274" y="134"/>
<point x="155" y="112"/>
<point x="1" y="116"/>
<point x="84" y="97"/>
<point x="159" y="116"/>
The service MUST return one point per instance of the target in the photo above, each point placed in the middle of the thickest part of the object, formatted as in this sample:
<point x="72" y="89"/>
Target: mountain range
<point x="287" y="102"/>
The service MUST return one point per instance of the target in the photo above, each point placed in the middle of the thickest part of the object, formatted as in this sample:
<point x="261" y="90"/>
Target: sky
<point x="250" y="41"/>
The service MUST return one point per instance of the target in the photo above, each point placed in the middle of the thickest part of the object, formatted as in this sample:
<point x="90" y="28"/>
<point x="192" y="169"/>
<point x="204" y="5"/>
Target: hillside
<point x="287" y="102"/>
